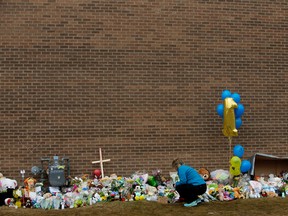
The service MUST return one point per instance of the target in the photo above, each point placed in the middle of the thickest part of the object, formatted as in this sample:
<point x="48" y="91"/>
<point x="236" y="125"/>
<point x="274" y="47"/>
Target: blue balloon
<point x="225" y="94"/>
<point x="238" y="123"/>
<point x="236" y="97"/>
<point x="238" y="151"/>
<point x="245" y="166"/>
<point x="239" y="111"/>
<point x="220" y="110"/>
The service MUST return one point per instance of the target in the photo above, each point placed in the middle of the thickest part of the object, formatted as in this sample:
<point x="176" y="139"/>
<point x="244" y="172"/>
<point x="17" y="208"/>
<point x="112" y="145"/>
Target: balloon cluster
<point x="238" y="166"/>
<point x="237" y="111"/>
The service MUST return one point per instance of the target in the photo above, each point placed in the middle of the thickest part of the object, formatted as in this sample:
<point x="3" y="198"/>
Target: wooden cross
<point x="101" y="162"/>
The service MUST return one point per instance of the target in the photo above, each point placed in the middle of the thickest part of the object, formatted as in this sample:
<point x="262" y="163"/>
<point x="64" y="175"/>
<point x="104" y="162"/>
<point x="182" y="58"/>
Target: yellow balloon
<point x="235" y="164"/>
<point x="229" y="124"/>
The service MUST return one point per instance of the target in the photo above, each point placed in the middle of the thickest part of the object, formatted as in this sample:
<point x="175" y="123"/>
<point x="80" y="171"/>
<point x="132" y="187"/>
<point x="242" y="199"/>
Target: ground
<point x="263" y="206"/>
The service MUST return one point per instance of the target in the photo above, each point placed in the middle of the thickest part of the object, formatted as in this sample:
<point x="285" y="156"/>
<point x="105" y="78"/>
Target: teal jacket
<point x="188" y="175"/>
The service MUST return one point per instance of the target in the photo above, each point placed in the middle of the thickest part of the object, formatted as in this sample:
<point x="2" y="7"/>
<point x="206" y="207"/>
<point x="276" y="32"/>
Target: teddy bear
<point x="6" y="183"/>
<point x="204" y="173"/>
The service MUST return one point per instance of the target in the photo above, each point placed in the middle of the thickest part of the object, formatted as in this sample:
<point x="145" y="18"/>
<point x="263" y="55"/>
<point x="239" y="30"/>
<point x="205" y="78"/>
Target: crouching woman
<point x="190" y="184"/>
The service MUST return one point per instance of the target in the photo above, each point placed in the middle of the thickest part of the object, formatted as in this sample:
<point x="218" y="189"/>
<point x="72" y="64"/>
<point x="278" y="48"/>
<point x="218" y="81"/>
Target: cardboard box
<point x="264" y="164"/>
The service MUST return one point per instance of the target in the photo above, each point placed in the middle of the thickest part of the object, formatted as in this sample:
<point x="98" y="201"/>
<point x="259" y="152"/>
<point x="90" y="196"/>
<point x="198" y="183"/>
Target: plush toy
<point x="9" y="202"/>
<point x="6" y="183"/>
<point x="78" y="202"/>
<point x="285" y="177"/>
<point x="223" y="195"/>
<point x="263" y="193"/>
<point x="151" y="193"/>
<point x="57" y="201"/>
<point x="68" y="199"/>
<point x="138" y="195"/>
<point x="255" y="189"/>
<point x="47" y="201"/>
<point x="204" y="173"/>
<point x="29" y="186"/>
<point x="126" y="194"/>
<point x="160" y="179"/>
<point x="97" y="173"/>
<point x="243" y="180"/>
<point x="274" y="181"/>
<point x="28" y="203"/>
<point x="271" y="194"/>
<point x="96" y="198"/>
<point x="238" y="194"/>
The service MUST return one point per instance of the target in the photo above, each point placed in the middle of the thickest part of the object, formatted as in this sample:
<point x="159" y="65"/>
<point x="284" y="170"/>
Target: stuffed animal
<point x="274" y="181"/>
<point x="18" y="194"/>
<point x="238" y="194"/>
<point x="160" y="179"/>
<point x="28" y="203"/>
<point x="6" y="183"/>
<point x="9" y="202"/>
<point x="204" y="173"/>
<point x="151" y="192"/>
<point x="96" y="198"/>
<point x="223" y="195"/>
<point x="285" y="177"/>
<point x="138" y="195"/>
<point x="255" y="189"/>
<point x="30" y="184"/>
<point x="271" y="194"/>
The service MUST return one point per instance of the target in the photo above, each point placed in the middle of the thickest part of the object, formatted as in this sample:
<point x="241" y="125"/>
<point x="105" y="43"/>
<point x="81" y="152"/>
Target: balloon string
<point x="230" y="147"/>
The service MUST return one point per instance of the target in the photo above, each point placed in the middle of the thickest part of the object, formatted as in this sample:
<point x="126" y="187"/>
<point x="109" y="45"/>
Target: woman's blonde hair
<point x="177" y="162"/>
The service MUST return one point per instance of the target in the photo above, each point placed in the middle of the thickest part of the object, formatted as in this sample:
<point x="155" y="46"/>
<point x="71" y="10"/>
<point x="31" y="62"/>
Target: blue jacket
<point x="188" y="175"/>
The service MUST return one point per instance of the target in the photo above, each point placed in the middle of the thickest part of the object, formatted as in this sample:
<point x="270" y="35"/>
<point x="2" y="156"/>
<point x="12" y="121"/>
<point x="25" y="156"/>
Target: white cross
<point x="101" y="162"/>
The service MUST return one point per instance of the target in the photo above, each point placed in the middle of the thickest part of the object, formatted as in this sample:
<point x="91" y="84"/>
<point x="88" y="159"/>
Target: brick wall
<point x="141" y="80"/>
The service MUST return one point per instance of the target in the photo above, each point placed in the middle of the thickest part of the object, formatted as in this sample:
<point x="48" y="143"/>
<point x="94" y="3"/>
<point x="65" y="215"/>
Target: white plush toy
<point x="6" y="183"/>
<point x="256" y="188"/>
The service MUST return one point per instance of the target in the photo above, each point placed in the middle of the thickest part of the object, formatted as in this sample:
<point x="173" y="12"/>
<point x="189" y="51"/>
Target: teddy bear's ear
<point x="200" y="170"/>
<point x="203" y="170"/>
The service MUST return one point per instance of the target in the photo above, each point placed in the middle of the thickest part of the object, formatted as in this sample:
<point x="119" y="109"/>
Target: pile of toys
<point x="83" y="191"/>
<point x="220" y="186"/>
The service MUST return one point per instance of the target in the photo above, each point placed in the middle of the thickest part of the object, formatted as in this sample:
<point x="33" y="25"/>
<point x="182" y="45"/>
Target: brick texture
<point x="141" y="80"/>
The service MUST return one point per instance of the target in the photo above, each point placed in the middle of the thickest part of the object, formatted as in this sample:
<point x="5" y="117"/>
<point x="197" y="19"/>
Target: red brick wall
<point x="141" y="80"/>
